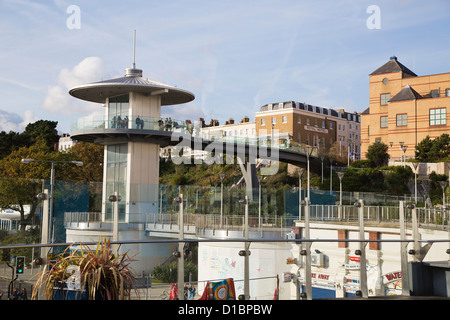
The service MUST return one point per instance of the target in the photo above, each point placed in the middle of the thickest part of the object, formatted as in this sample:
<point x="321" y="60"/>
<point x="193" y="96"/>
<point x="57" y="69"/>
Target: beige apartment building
<point x="304" y="124"/>
<point x="404" y="108"/>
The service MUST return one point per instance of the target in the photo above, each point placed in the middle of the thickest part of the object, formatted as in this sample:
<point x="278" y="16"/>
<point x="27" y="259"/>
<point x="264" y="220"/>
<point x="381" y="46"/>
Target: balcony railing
<point x="141" y="123"/>
<point x="434" y="218"/>
<point x="183" y="127"/>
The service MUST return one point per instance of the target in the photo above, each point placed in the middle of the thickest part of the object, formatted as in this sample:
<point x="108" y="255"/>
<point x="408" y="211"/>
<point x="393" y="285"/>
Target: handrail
<point x="251" y="240"/>
<point x="172" y="125"/>
<point x="429" y="218"/>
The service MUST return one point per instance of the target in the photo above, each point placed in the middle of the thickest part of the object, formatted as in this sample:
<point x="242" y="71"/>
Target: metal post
<point x="443" y="185"/>
<point x="247" y="254"/>
<point x="308" y="244"/>
<point x="52" y="183"/>
<point x="300" y="173"/>
<point x="331" y="175"/>
<point x="403" y="251"/>
<point x="341" y="176"/>
<point x="415" y="231"/>
<point x="309" y="194"/>
<point x="180" y="283"/>
<point x="416" y="166"/>
<point x="260" y="179"/>
<point x="45" y="221"/>
<point x="221" y="176"/>
<point x="362" y="248"/>
<point x="115" y="199"/>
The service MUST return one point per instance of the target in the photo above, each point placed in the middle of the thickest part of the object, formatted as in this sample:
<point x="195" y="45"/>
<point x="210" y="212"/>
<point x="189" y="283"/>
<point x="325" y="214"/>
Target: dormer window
<point x="434" y="93"/>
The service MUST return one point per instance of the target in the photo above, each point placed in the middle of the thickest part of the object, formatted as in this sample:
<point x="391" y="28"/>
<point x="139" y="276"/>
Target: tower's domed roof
<point x="131" y="82"/>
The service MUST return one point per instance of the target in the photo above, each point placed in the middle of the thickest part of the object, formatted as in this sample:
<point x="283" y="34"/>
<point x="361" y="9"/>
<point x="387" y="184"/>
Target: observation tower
<point x="131" y="163"/>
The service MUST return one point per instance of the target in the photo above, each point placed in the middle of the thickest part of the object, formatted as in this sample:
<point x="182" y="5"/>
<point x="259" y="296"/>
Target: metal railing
<point x="183" y="127"/>
<point x="427" y="217"/>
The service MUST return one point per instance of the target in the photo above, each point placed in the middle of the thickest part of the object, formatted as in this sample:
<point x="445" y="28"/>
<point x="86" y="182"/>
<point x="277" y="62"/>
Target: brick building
<point x="304" y="124"/>
<point x="404" y="108"/>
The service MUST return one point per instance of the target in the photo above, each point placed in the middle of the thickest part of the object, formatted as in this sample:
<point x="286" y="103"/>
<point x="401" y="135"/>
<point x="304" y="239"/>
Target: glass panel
<point x="118" y="111"/>
<point x="116" y="174"/>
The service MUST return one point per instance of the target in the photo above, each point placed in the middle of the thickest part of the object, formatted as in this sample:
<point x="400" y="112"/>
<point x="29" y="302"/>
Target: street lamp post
<point x="246" y="252"/>
<point x="300" y="173"/>
<point x="221" y="177"/>
<point x="331" y="175"/>
<point x="180" y="252"/>
<point x="340" y="175"/>
<point x="321" y="161"/>
<point x="115" y="199"/>
<point x="443" y="186"/>
<point x="404" y="147"/>
<point x="308" y="151"/>
<point x="52" y="183"/>
<point x="415" y="165"/>
<point x="260" y="179"/>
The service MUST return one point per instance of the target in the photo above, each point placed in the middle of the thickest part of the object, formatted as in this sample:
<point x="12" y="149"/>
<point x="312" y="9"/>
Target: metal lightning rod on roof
<point x="134" y="50"/>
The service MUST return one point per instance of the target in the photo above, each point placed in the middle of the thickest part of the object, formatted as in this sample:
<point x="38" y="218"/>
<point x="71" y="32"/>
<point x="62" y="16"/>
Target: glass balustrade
<point x="185" y="128"/>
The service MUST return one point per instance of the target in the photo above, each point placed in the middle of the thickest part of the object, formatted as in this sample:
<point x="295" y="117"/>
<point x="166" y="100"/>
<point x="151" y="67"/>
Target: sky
<point x="234" y="56"/>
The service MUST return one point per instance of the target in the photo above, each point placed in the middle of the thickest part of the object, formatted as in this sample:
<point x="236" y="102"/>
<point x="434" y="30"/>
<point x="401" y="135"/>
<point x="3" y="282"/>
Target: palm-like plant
<point x="102" y="275"/>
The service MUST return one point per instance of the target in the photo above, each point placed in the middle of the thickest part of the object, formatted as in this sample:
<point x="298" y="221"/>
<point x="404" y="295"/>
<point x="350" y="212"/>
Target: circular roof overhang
<point x="132" y="82"/>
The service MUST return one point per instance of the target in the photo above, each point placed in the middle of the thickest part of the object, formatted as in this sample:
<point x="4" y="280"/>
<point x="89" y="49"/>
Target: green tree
<point x="397" y="178"/>
<point x="377" y="154"/>
<point x="43" y="129"/>
<point x="11" y="141"/>
<point x="20" y="183"/>
<point x="92" y="157"/>
<point x="433" y="150"/>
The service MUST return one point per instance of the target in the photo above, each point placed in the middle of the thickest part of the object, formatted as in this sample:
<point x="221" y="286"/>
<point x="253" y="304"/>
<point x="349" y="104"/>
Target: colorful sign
<point x="222" y="290"/>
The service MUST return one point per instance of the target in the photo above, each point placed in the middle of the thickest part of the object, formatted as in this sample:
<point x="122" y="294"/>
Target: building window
<point x="118" y="111"/>
<point x="438" y="117"/>
<point x="434" y="93"/>
<point x="331" y="125"/>
<point x="284" y="119"/>
<point x="323" y="124"/>
<point x="116" y="177"/>
<point x="274" y="120"/>
<point x="384" y="98"/>
<point x="383" y="122"/>
<point x="377" y="140"/>
<point x="447" y="92"/>
<point x="402" y="120"/>
<point x="263" y="121"/>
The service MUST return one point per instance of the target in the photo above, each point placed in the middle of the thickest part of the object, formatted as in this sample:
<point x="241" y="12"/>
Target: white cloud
<point x="10" y="121"/>
<point x="58" y="100"/>
<point x="191" y="111"/>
